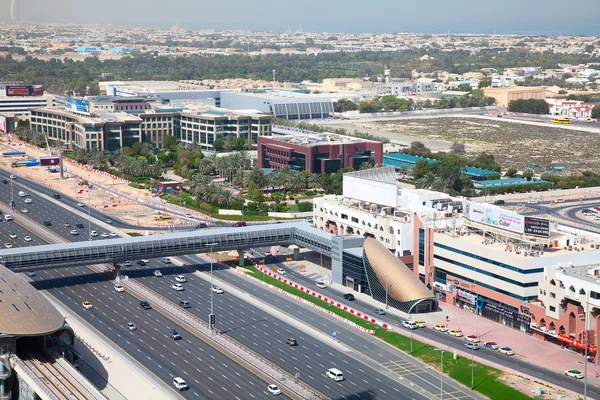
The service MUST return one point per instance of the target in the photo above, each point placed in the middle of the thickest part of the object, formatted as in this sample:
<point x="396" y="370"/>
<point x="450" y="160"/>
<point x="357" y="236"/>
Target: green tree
<point x="511" y="172"/>
<point x="485" y="82"/>
<point x="169" y="142"/>
<point x="595" y="112"/>
<point x="218" y="145"/>
<point x="529" y="106"/>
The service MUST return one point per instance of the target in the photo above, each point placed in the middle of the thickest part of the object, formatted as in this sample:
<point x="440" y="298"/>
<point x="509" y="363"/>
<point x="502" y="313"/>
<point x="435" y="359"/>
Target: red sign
<point x="576" y="343"/>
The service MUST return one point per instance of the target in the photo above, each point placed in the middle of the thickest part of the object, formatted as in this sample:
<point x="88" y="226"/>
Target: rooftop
<point x="316" y="139"/>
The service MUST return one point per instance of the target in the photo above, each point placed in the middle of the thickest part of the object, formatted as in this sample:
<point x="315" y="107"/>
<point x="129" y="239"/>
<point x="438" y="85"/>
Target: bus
<point x="561" y="120"/>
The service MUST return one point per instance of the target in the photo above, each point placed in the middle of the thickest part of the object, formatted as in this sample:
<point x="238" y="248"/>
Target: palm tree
<point x="314" y="181"/>
<point x="296" y="181"/>
<point x="426" y="182"/>
<point x="224" y="197"/>
<point x="403" y="170"/>
<point x="364" y="165"/>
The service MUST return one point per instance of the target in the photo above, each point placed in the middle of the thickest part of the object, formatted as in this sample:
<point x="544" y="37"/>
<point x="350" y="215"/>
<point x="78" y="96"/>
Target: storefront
<point x="576" y="345"/>
<point x="439" y="290"/>
<point x="506" y="315"/>
<point x="465" y="299"/>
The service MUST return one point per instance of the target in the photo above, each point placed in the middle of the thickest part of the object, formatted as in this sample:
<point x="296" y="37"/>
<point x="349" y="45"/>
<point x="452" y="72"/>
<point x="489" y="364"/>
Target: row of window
<point x="489" y="261"/>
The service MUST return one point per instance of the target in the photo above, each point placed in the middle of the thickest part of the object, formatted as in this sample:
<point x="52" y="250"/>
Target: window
<point x="355" y="220"/>
<point x="552" y="308"/>
<point x="552" y="295"/>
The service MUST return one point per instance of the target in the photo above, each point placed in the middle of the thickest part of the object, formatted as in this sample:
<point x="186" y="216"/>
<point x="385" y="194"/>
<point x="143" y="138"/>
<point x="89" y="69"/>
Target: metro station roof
<point x="24" y="310"/>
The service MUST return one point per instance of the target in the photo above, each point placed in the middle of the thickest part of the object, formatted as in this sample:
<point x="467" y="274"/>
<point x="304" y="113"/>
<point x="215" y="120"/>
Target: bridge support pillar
<point x="117" y="271"/>
<point x="296" y="253"/>
<point x="241" y="258"/>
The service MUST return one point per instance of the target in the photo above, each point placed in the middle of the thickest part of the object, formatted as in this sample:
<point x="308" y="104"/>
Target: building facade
<point x="317" y="152"/>
<point x="505" y="95"/>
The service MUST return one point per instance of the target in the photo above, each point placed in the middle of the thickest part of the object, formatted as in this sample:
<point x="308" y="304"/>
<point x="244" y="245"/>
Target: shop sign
<point x="576" y="343"/>
<point x="439" y="286"/>
<point x="466" y="296"/>
<point x="525" y="310"/>
<point x="500" y="310"/>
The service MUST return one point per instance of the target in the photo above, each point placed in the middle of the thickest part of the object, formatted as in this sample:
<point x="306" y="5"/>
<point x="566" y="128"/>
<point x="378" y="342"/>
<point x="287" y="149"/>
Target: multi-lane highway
<point x="528" y="368"/>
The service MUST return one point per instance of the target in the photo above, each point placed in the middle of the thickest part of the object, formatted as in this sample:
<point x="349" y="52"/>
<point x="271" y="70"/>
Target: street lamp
<point x="410" y="319"/>
<point x="442" y="370"/>
<point x="211" y="317"/>
<point x="386" y="292"/>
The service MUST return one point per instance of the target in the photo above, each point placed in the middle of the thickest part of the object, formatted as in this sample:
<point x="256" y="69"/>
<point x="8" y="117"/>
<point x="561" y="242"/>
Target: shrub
<point x="305" y="206"/>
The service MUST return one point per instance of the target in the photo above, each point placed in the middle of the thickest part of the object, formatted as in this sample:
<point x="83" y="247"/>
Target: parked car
<point x="421" y="323"/>
<point x="473" y="338"/>
<point x="410" y="324"/>
<point x="349" y="296"/>
<point x="472" y="346"/>
<point x="492" y="345"/>
<point x="506" y="350"/>
<point x="574" y="373"/>
<point x="291" y="342"/>
<point x="456" y="332"/>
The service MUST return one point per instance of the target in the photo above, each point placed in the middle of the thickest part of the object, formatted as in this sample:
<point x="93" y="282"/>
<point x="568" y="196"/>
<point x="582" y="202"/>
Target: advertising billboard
<point x="537" y="226"/>
<point x="78" y="105"/>
<point x="49" y="160"/>
<point x="24" y="91"/>
<point x="494" y="216"/>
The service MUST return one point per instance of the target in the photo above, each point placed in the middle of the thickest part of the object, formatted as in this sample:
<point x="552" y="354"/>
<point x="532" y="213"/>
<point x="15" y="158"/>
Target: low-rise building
<point x="505" y="95"/>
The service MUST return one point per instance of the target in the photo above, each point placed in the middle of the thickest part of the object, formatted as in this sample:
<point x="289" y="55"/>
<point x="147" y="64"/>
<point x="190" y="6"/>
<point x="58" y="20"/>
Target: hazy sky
<point x="473" y="16"/>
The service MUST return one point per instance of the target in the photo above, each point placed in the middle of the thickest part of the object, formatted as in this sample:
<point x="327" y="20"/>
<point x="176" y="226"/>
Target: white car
<point x="180" y="278"/>
<point x="131" y="326"/>
<point x="157" y="272"/>
<point x="281" y="271"/>
<point x="112" y="234"/>
<point x="127" y="263"/>
<point x="74" y="232"/>
<point x="80" y="204"/>
<point x="410" y="325"/>
<point x="166" y="260"/>
<point x="218" y="290"/>
<point x="93" y="233"/>
<point x="28" y="200"/>
<point x="321" y="285"/>
<point x="273" y="389"/>
<point x="8" y="217"/>
<point x="145" y="260"/>
<point x="177" y="286"/>
<point x="119" y="288"/>
<point x="27" y="238"/>
<point x="532" y="202"/>
<point x="104" y="235"/>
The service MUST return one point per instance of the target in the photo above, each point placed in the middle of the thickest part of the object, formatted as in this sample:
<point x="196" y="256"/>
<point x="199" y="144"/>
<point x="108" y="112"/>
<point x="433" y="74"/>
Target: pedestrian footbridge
<point x="173" y="244"/>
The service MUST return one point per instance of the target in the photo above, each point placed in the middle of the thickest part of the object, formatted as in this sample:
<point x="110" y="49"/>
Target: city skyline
<point x="469" y="16"/>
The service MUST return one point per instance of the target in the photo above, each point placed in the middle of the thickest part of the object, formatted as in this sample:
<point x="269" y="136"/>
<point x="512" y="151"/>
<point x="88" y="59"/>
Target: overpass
<point x="174" y="244"/>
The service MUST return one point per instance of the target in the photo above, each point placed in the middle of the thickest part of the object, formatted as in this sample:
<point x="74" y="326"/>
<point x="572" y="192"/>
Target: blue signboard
<point x="78" y="105"/>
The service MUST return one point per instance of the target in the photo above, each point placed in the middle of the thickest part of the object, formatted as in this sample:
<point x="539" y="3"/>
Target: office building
<point x="317" y="152"/>
<point x="505" y="95"/>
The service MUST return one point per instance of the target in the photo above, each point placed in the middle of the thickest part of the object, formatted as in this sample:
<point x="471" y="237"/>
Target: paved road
<point x="457" y="343"/>
<point x="209" y="373"/>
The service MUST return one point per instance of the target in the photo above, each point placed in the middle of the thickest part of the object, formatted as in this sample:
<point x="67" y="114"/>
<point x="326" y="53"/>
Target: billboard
<point x="78" y="105"/>
<point x="24" y="90"/>
<point x="537" y="226"/>
<point x="2" y="124"/>
<point x="49" y="160"/>
<point x="494" y="216"/>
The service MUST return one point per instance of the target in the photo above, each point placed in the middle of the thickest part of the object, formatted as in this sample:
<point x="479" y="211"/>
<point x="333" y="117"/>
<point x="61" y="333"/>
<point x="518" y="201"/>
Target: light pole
<point x="386" y="292"/>
<point x="211" y="317"/>
<point x="321" y="268"/>
<point x="585" y="343"/>
<point x="89" y="215"/>
<point x="442" y="370"/>
<point x="410" y="319"/>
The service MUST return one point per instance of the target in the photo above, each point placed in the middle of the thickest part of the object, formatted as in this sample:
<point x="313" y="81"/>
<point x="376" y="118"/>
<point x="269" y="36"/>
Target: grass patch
<point x="134" y="234"/>
<point x="486" y="378"/>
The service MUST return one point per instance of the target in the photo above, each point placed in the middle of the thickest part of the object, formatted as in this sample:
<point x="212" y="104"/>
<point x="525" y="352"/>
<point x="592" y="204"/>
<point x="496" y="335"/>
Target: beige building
<point x="345" y="84"/>
<point x="505" y="95"/>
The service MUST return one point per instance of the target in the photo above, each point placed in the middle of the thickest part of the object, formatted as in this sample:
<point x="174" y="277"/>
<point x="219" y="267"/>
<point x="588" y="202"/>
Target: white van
<point x="179" y="383"/>
<point x="335" y="374"/>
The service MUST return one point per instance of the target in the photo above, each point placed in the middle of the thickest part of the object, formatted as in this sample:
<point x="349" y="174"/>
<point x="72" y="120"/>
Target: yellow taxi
<point x="440" y="327"/>
<point x="8" y="245"/>
<point x="87" y="305"/>
<point x="24" y="211"/>
<point x="420" y="323"/>
<point x="456" y="332"/>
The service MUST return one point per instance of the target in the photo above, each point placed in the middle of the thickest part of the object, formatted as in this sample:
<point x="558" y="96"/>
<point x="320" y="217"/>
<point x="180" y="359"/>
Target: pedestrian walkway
<point x="105" y="362"/>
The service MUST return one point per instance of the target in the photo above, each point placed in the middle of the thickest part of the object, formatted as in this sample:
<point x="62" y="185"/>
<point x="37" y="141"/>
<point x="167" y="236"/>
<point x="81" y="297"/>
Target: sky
<point x="352" y="16"/>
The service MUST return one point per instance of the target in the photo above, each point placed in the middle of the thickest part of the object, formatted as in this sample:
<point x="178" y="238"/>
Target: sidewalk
<point x="126" y="378"/>
<point x="544" y="354"/>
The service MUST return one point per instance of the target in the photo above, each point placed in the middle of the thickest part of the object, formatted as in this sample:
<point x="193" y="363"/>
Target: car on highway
<point x="31" y="274"/>
<point x="157" y="273"/>
<point x="180" y="278"/>
<point x="8" y="245"/>
<point x="187" y="215"/>
<point x="12" y="235"/>
<point x="349" y="297"/>
<point x="27" y="238"/>
<point x="410" y="325"/>
<point x="104" y="235"/>
<point x="28" y="201"/>
<point x="179" y="383"/>
<point x="141" y="263"/>
<point x="201" y="225"/>
<point x="8" y="217"/>
<point x="166" y="260"/>
<point x="127" y="263"/>
<point x="145" y="260"/>
<point x="47" y="223"/>
<point x="507" y="350"/>
<point x="472" y="346"/>
<point x="267" y="253"/>
<point x="112" y="234"/>
<point x="24" y="210"/>
<point x="273" y="389"/>
<point x="131" y="326"/>
<point x="421" y="323"/>
<point x="379" y="311"/>
<point x="456" y="332"/>
<point x="218" y="290"/>
<point x="4" y="181"/>
<point x="108" y="221"/>
<point x="291" y="342"/>
<point x="597" y="218"/>
<point x="574" y="373"/>
<point x="56" y="196"/>
<point x="79" y="225"/>
<point x="177" y="286"/>
<point x="473" y="338"/>
<point x="144" y="305"/>
<point x="185" y="304"/>
<point x="93" y="233"/>
<point x="491" y="345"/>
<point x="119" y="288"/>
<point x="22" y="194"/>
<point x="12" y="176"/>
<point x="80" y="204"/>
<point x="239" y="224"/>
<point x="173" y="334"/>
<point x="499" y="202"/>
<point x="87" y="305"/>
<point x="74" y="232"/>
<point x="281" y="271"/>
<point x="67" y="225"/>
<point x="335" y="374"/>
<point x="321" y="285"/>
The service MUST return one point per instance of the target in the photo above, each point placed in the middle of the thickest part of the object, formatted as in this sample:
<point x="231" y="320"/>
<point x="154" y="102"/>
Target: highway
<point x="514" y="363"/>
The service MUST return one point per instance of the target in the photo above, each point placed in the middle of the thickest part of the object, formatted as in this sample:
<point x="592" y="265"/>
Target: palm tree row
<point x="202" y="188"/>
